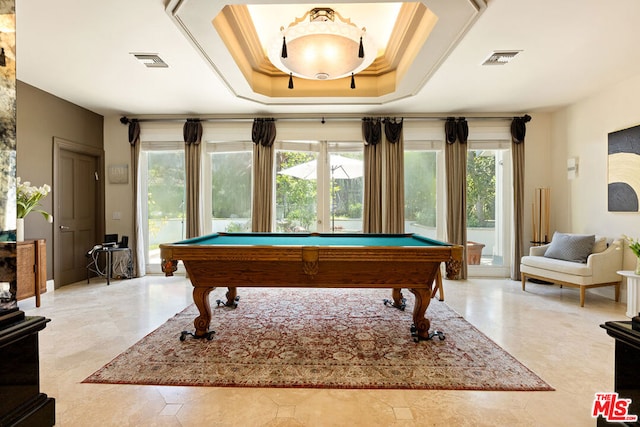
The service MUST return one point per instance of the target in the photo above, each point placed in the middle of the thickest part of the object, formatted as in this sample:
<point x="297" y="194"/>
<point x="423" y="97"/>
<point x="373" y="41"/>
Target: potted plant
<point x="28" y="200"/>
<point x="634" y="245"/>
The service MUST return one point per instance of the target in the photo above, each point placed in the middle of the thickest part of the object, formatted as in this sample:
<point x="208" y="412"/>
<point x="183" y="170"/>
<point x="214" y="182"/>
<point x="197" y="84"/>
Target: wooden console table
<point x="31" y="269"/>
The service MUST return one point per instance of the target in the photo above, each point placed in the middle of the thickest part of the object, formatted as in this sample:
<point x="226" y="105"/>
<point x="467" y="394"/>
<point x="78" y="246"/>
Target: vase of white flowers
<point x="634" y="245"/>
<point x="28" y="200"/>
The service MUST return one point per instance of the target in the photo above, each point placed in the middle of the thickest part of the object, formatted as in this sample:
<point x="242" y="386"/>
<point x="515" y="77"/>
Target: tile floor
<point x="544" y="328"/>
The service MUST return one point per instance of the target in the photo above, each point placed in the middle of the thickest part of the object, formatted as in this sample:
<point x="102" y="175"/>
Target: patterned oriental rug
<point x="319" y="338"/>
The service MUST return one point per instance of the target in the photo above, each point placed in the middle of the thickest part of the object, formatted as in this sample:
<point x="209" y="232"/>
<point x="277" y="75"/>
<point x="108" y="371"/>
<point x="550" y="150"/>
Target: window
<point x="421" y="191"/>
<point x="163" y="166"/>
<point x="319" y="187"/>
<point x="346" y="188"/>
<point x="488" y="206"/>
<point x="296" y="191"/>
<point x="230" y="191"/>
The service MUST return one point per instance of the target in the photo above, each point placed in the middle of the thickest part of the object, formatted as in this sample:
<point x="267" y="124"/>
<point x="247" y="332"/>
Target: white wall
<point x="581" y="130"/>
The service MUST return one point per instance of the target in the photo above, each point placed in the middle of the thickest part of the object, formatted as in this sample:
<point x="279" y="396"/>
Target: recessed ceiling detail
<point x="380" y="78"/>
<point x="235" y="40"/>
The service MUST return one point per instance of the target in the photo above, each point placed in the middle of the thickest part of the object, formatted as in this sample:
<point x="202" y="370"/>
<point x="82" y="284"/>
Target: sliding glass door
<point x="227" y="199"/>
<point x="488" y="208"/>
<point x="163" y="166"/>
<point x="422" y="189"/>
<point x="318" y="187"/>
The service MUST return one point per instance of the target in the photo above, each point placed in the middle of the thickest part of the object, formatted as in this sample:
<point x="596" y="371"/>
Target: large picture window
<point x="319" y="187"/>
<point x="421" y="190"/>
<point x="230" y="189"/>
<point x="488" y="207"/>
<point x="296" y="191"/>
<point x="163" y="166"/>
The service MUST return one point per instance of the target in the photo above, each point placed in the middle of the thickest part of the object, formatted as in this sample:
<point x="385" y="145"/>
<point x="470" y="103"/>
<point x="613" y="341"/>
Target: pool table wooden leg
<point x="232" y="298"/>
<point x="420" y="323"/>
<point x="397" y="299"/>
<point x="201" y="299"/>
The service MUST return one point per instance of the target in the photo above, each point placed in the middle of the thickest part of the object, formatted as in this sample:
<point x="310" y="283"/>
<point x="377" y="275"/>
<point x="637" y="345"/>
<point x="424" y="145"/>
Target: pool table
<point x="309" y="260"/>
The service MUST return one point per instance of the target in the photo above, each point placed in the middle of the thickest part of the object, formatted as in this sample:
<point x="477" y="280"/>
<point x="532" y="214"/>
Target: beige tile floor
<point x="544" y="328"/>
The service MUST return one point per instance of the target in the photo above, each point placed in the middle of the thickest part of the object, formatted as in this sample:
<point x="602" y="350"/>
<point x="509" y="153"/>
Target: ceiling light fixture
<point x="322" y="48"/>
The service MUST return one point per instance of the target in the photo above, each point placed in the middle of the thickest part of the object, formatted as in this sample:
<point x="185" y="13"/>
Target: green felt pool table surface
<point x="312" y="239"/>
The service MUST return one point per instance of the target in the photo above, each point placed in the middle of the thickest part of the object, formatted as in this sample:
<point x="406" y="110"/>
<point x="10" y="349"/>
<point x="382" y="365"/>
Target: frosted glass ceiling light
<point x="322" y="48"/>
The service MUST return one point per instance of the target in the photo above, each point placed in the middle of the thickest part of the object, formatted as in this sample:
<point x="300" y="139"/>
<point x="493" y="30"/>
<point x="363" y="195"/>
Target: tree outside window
<point x="481" y="189"/>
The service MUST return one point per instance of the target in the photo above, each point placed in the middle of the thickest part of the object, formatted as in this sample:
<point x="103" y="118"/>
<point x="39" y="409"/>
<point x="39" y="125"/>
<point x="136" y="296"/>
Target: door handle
<point x="64" y="227"/>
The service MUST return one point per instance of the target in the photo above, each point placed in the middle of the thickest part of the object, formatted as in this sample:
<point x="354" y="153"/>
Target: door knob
<point x="64" y="227"/>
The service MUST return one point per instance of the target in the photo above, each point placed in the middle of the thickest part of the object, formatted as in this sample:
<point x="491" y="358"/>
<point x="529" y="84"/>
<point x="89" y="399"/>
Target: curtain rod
<point x="125" y="120"/>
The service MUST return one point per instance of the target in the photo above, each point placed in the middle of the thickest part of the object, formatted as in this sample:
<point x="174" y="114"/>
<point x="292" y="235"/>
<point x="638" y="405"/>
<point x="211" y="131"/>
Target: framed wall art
<point x="623" y="163"/>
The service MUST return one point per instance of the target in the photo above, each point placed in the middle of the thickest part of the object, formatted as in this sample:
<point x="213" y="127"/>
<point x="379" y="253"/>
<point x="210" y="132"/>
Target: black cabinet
<point x="627" y="363"/>
<point x="21" y="402"/>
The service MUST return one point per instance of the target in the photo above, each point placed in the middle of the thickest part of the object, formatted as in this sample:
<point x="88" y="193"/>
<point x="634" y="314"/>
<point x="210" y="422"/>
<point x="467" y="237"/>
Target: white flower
<point x="28" y="198"/>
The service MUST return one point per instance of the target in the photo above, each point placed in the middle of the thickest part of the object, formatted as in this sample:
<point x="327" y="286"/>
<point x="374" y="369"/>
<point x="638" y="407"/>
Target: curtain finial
<point x="519" y="128"/>
<point x="134" y="131"/>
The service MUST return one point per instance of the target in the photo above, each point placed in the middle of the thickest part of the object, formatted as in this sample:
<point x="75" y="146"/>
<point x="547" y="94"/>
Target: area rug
<point x="319" y="338"/>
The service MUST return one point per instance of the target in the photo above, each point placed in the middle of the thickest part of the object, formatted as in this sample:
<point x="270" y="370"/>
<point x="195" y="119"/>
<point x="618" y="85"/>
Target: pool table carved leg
<point x="201" y="299"/>
<point x="421" y="325"/>
<point x="397" y="300"/>
<point x="232" y="298"/>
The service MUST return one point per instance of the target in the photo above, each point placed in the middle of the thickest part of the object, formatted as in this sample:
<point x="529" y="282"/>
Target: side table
<point x="633" y="293"/>
<point x="127" y="271"/>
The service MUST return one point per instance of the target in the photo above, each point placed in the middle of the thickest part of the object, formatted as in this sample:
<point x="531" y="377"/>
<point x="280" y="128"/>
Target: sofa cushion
<point x="571" y="247"/>
<point x="551" y="265"/>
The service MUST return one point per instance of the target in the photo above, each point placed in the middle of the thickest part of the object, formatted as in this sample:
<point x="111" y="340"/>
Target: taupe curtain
<point x="372" y="210"/>
<point x="137" y="240"/>
<point x="192" y="133"/>
<point x="393" y="188"/>
<point x="457" y="133"/>
<point x="518" y="131"/>
<point x="263" y="135"/>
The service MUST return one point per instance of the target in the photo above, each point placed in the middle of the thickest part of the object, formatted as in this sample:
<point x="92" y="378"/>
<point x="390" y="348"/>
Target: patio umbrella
<point x="341" y="168"/>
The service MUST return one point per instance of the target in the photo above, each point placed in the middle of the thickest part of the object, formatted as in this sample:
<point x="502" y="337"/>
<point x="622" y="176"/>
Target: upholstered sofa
<point x="580" y="261"/>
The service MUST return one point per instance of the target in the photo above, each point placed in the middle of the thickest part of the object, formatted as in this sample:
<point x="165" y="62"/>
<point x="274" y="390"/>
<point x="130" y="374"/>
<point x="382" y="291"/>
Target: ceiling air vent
<point x="500" y="57"/>
<point x="150" y="60"/>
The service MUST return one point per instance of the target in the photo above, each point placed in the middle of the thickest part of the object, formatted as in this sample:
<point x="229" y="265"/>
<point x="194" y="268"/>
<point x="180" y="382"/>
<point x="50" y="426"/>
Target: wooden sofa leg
<point x="582" y="292"/>
<point x="617" y="292"/>
<point x="524" y="280"/>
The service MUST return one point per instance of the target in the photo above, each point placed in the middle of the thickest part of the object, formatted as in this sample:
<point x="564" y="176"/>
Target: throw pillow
<point x="571" y="247"/>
